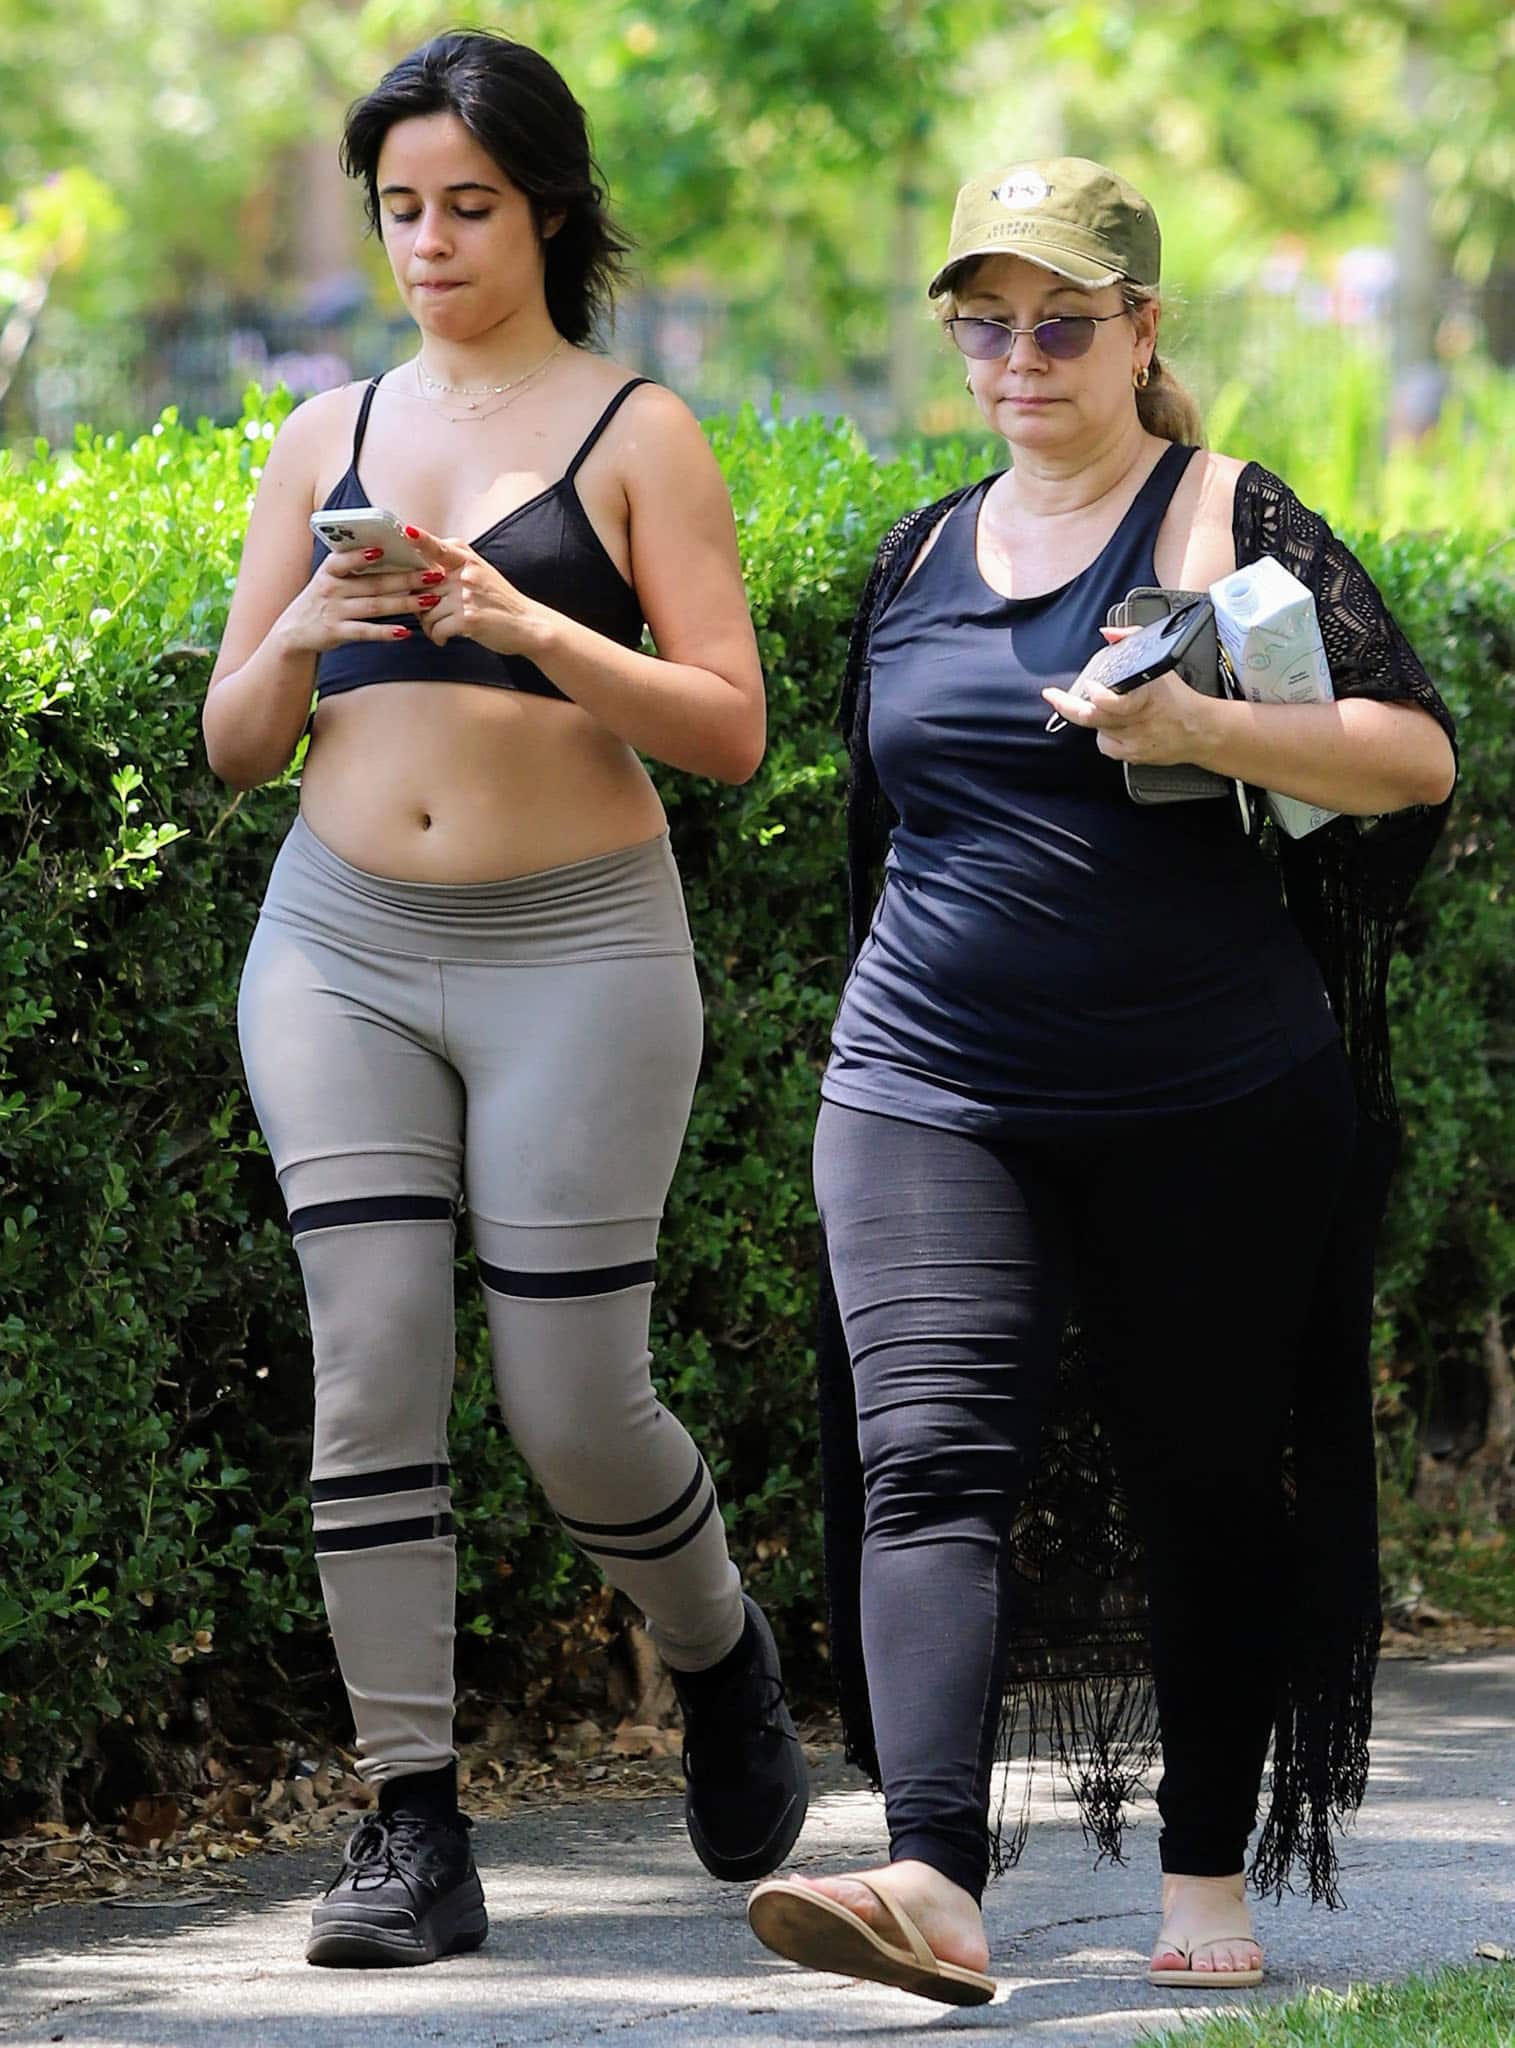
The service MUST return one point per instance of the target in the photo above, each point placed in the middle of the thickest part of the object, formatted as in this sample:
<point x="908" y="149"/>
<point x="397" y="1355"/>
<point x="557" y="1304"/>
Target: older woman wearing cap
<point x="1107" y="1071"/>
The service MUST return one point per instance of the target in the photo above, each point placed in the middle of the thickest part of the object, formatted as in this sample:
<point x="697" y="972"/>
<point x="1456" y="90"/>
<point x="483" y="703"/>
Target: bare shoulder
<point x="1217" y="481"/>
<point x="659" y="447"/>
<point x="305" y="444"/>
<point x="326" y="413"/>
<point x="652" y="414"/>
<point x="1196" y="545"/>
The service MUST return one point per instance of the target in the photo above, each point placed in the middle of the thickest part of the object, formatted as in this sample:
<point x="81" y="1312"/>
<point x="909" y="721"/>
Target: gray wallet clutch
<point x="1199" y="666"/>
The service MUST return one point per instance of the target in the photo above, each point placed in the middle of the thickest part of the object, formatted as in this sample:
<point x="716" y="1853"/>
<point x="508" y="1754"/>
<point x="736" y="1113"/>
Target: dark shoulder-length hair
<point x="517" y="107"/>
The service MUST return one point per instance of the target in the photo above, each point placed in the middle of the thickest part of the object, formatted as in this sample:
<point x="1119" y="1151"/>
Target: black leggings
<point x="1194" y="1241"/>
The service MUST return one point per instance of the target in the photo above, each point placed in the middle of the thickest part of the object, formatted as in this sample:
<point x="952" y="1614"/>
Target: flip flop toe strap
<point x="1186" y="1948"/>
<point x="915" y="1940"/>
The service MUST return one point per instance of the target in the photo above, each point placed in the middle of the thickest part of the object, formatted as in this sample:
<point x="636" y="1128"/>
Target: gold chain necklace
<point x="474" y="395"/>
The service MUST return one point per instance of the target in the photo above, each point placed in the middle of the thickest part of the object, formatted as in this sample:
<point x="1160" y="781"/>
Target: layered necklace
<point x="458" y="402"/>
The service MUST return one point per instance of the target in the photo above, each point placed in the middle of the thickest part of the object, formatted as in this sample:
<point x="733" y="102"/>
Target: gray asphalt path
<point x="606" y="1930"/>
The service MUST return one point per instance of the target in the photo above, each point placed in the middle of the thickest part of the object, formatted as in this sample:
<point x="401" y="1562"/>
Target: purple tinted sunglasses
<point x="1065" y="338"/>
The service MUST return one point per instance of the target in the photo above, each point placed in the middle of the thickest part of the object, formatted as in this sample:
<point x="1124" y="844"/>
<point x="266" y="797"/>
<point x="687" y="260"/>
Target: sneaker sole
<point x="763" y="1861"/>
<point x="455" y="1925"/>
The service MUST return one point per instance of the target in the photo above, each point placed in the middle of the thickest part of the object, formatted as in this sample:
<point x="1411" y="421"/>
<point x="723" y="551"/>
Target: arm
<point x="282" y="618"/>
<point x="1377" y="748"/>
<point x="698" y="703"/>
<point x="1359" y="756"/>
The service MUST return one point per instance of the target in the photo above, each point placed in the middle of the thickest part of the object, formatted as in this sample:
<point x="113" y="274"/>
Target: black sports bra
<point x="546" y="547"/>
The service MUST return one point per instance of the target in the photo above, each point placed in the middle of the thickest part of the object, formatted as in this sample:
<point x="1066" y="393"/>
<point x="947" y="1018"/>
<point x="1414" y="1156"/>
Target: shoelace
<point x="380" y="1848"/>
<point x="720" y="1723"/>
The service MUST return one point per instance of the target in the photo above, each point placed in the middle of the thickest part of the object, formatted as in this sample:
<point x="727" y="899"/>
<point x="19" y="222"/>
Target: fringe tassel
<point x="1320" y="1772"/>
<point x="1100" y="1732"/>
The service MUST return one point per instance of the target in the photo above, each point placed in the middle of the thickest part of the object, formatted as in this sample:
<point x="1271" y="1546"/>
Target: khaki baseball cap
<point x="1063" y="212"/>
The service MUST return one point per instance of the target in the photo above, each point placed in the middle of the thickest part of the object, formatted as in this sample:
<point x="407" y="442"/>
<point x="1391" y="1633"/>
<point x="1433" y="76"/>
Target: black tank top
<point x="547" y="548"/>
<point x="1045" y="949"/>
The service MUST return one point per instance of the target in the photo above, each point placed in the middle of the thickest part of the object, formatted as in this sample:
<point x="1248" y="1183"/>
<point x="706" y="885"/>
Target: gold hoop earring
<point x="967" y="383"/>
<point x="1141" y="378"/>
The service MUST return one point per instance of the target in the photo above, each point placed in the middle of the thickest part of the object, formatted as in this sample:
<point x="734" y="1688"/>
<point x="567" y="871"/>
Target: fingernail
<point x="373" y="554"/>
<point x="412" y="533"/>
<point x="425" y="603"/>
<point x="435" y="576"/>
<point x="400" y="633"/>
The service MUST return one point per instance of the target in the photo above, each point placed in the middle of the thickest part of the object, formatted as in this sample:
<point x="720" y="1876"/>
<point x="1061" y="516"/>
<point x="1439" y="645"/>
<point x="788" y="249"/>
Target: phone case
<point x="1157" y="645"/>
<point x="358" y="526"/>
<point x="1199" y="665"/>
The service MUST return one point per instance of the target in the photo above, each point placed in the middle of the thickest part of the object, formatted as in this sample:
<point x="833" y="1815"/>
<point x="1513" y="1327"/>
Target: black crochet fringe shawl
<point x="1078" y="1687"/>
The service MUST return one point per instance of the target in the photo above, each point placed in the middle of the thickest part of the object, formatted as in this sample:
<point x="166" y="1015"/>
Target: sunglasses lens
<point x="1065" y="340"/>
<point x="983" y="340"/>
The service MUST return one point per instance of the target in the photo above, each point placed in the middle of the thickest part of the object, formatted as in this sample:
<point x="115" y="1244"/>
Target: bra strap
<point x="602" y="423"/>
<point x="361" y="427"/>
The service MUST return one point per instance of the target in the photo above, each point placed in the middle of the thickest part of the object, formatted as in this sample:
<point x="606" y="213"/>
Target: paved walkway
<point x="606" y="1930"/>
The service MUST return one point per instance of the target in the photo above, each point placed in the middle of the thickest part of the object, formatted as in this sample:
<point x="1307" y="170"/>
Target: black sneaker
<point x="407" y="1892"/>
<point x="746" y="1782"/>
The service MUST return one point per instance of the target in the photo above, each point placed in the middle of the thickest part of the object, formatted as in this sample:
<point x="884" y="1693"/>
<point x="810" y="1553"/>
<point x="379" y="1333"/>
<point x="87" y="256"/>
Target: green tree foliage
<point x="781" y="150"/>
<point x="154" y="1372"/>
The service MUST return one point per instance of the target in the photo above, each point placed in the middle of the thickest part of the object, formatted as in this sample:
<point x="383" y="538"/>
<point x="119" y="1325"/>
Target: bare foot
<point x="1212" y="1911"/>
<point x="948" y="1917"/>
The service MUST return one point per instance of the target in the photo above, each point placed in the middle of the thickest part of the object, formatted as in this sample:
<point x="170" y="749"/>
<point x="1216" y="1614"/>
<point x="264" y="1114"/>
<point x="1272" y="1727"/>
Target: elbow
<point x="731" y="752"/>
<point x="742" y="762"/>
<point x="1435" y="777"/>
<point x="232" y="766"/>
<point x="748" y="743"/>
<point x="223" y="762"/>
<point x="1445" y="780"/>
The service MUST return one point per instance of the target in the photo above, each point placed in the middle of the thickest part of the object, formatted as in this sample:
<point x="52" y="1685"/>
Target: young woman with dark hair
<point x="472" y="975"/>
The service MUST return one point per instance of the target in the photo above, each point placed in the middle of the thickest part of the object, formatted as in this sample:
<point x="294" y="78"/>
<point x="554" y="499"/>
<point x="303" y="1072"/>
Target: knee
<point x="384" y="1343"/>
<point x="581" y="1450"/>
<point x="921" y="1473"/>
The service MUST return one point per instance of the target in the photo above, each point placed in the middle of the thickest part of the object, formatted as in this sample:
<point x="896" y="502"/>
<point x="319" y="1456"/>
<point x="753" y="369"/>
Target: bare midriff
<point x="453" y="782"/>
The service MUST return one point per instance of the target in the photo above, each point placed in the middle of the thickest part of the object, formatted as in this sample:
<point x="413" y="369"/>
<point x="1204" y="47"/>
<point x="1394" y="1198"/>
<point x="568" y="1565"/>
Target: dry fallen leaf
<point x="151" y="1820"/>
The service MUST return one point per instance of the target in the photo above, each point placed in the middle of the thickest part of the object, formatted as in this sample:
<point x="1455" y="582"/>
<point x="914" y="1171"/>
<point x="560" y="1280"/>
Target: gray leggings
<point x="532" y="1046"/>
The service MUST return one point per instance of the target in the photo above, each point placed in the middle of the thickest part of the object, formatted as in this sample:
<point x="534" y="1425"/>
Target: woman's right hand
<point x="341" y="604"/>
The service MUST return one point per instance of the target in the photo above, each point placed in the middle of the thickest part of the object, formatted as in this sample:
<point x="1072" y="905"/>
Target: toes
<point x="1220" y="1956"/>
<point x="849" y="1893"/>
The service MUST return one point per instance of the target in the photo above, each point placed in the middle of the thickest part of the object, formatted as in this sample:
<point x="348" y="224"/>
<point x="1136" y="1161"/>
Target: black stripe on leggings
<point x="659" y="1550"/>
<point x="564" y="1286"/>
<point x="371" y="1209"/>
<point x="365" y="1485"/>
<point x="685" y="1499"/>
<point x="417" y="1530"/>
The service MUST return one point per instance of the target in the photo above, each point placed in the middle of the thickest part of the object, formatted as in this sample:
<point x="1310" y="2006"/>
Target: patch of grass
<point x="1472" y="2007"/>
<point x="1463" y="1566"/>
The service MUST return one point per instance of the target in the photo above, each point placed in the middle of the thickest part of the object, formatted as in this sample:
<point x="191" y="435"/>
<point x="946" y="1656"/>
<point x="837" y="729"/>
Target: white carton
<point x="1265" y="620"/>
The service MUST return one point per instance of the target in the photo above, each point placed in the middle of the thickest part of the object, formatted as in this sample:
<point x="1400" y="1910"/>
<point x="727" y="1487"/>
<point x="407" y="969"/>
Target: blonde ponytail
<point x="1163" y="405"/>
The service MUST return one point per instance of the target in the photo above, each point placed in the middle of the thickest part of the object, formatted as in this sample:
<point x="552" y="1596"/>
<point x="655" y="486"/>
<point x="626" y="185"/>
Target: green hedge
<point x="154" y="1399"/>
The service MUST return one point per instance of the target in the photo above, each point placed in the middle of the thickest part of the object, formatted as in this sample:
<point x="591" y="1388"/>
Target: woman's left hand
<point x="1161" y="722"/>
<point x="471" y="599"/>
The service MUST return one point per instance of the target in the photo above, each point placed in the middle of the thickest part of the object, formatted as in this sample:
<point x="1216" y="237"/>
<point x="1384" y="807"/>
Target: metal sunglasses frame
<point x="1057" y="320"/>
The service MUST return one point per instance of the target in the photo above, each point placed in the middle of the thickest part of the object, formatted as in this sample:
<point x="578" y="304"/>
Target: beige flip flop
<point x="808" y="1927"/>
<point x="1190" y="1979"/>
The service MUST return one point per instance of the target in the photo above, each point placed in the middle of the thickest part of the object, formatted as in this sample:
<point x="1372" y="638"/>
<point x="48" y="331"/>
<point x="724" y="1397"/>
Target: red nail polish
<point x="373" y="554"/>
<point x="412" y="533"/>
<point x="435" y="576"/>
<point x="425" y="603"/>
<point x="400" y="633"/>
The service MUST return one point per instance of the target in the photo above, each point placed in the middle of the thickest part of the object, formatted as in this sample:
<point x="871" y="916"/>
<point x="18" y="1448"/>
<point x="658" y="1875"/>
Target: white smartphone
<point x="368" y="526"/>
